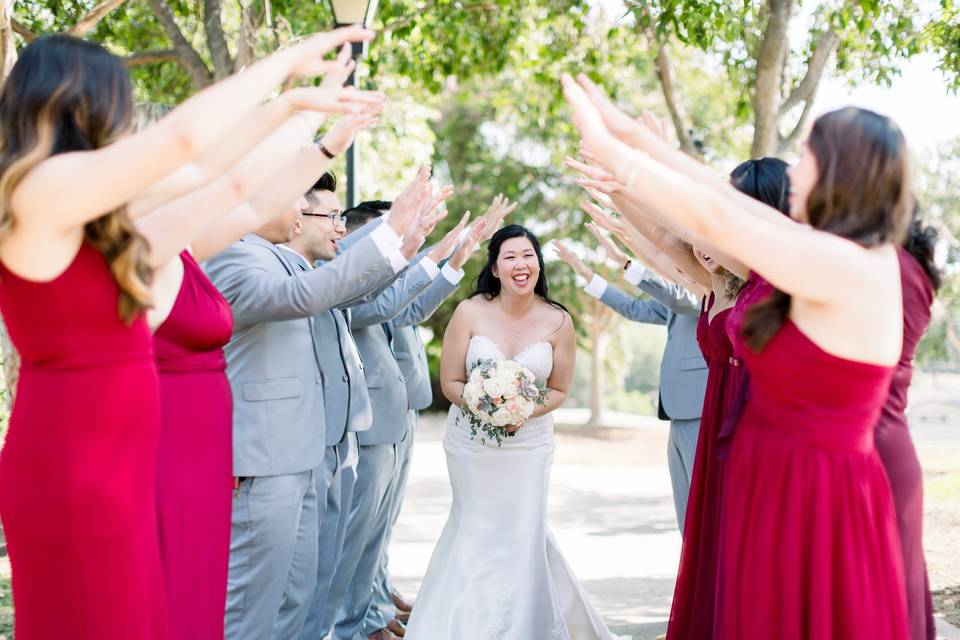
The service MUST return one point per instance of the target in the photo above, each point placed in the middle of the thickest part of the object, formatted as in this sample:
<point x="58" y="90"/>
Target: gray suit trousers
<point x="333" y="529"/>
<point x="681" y="452"/>
<point x="381" y="607"/>
<point x="273" y="557"/>
<point x="352" y="585"/>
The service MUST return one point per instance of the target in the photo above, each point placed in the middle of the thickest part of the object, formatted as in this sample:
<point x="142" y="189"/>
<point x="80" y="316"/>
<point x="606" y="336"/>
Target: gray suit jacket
<point x="345" y="400"/>
<point x="683" y="371"/>
<point x="273" y="359"/>
<point x="408" y="347"/>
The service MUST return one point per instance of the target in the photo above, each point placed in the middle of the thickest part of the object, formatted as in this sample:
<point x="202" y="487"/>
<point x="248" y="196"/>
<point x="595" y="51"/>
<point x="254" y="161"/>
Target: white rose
<point x="500" y="418"/>
<point x="493" y="388"/>
<point x="525" y="407"/>
<point x="475" y="376"/>
<point x="510" y="366"/>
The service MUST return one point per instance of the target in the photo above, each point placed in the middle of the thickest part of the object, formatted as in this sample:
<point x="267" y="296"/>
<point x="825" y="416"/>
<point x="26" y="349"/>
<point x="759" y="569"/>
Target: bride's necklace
<point x="516" y="332"/>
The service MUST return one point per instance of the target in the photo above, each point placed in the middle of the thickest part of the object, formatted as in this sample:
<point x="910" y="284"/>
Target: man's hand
<point x="469" y="245"/>
<point x="407" y="205"/>
<point x="499" y="209"/>
<point x="442" y="250"/>
<point x="573" y="260"/>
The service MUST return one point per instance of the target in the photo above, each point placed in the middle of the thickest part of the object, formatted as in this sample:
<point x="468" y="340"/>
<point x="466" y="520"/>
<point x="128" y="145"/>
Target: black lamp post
<point x="347" y="12"/>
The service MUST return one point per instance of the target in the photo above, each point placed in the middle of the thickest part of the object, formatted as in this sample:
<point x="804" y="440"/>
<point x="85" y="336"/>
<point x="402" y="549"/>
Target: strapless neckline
<point x="522" y="351"/>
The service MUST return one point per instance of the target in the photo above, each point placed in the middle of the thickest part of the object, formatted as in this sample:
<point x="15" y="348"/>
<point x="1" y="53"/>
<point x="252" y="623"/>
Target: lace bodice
<point x="538" y="357"/>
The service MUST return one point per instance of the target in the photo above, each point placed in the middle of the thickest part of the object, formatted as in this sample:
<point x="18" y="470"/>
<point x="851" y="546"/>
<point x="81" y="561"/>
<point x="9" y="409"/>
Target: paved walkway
<point x="610" y="508"/>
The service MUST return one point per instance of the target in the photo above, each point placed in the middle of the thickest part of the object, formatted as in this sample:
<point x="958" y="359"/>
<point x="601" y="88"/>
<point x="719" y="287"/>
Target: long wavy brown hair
<point x="862" y="193"/>
<point x="65" y="94"/>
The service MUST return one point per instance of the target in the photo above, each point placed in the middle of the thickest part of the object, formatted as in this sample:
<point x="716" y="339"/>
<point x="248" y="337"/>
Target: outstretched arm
<point x="70" y="189"/>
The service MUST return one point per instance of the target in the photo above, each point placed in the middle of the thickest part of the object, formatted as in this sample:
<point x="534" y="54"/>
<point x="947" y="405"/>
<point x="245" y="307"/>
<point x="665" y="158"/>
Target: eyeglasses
<point x="338" y="219"/>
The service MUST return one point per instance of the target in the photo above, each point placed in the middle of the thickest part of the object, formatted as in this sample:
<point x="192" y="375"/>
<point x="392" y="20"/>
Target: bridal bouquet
<point x="500" y="393"/>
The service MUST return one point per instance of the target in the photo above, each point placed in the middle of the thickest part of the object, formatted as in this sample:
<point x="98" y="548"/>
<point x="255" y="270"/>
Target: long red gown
<point x="78" y="470"/>
<point x="194" y="471"/>
<point x="899" y="457"/>
<point x="809" y="536"/>
<point x="691" y="615"/>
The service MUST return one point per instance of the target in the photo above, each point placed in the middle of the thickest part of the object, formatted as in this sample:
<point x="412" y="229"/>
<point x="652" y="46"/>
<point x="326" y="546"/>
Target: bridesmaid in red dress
<point x="919" y="278"/>
<point x="194" y="469"/>
<point x="78" y="470"/>
<point x="695" y="599"/>
<point x="810" y="543"/>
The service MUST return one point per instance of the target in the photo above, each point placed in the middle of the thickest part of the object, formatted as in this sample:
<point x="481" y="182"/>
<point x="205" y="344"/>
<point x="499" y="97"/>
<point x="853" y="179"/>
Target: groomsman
<point x="279" y="425"/>
<point x="683" y="371"/>
<point x="381" y="446"/>
<point x="346" y="402"/>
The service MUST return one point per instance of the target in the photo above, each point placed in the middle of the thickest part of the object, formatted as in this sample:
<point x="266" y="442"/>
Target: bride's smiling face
<point x="517" y="266"/>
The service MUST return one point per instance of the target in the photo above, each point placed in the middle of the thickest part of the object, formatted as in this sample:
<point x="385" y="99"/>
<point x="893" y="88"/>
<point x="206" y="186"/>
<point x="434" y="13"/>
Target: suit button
<point x="401" y="378"/>
<point x="346" y="378"/>
<point x="361" y="366"/>
<point x="319" y="379"/>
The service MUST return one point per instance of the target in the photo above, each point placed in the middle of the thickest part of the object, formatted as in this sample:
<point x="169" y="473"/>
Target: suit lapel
<point x="294" y="265"/>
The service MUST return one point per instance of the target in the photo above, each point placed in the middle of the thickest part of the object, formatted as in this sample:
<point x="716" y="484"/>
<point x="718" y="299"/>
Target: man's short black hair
<point x="365" y="212"/>
<point x="326" y="182"/>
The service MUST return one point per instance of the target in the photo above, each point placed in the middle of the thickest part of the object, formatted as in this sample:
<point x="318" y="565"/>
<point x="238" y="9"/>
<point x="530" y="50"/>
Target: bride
<point x="496" y="573"/>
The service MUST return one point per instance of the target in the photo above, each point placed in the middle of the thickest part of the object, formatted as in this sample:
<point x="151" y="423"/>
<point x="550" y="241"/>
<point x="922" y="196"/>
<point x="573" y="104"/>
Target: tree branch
<point x="410" y="17"/>
<point x="150" y="57"/>
<point x="787" y="142"/>
<point x="665" y="75"/>
<point x="186" y="54"/>
<point x="827" y="43"/>
<point x="216" y="40"/>
<point x="770" y="59"/>
<point x="22" y="31"/>
<point x="86" y="23"/>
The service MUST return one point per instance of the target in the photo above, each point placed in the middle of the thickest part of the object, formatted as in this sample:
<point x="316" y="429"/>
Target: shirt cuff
<point x="430" y="267"/>
<point x="453" y="276"/>
<point x="635" y="273"/>
<point x="597" y="287"/>
<point x="388" y="244"/>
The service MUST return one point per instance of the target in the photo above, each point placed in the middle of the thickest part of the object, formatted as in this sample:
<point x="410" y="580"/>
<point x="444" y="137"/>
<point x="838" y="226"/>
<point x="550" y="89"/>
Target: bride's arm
<point x="453" y="356"/>
<point x="564" y="359"/>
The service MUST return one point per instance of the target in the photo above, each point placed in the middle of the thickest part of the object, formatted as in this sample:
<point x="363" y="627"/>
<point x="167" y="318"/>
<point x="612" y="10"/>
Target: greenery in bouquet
<point x="500" y="394"/>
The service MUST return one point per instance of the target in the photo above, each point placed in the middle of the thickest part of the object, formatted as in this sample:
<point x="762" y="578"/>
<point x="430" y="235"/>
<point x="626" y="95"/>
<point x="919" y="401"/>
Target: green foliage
<point x="6" y="608"/>
<point x="944" y="38"/>
<point x="937" y="182"/>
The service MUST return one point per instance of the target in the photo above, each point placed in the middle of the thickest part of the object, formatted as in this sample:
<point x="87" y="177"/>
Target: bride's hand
<point x="513" y="428"/>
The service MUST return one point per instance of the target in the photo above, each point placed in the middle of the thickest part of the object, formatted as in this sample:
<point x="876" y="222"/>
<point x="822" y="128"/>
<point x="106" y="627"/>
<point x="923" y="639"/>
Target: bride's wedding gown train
<point x="496" y="572"/>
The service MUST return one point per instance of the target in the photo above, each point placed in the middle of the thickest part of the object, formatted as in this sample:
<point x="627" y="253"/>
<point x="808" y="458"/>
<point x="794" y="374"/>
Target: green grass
<point x="6" y="609"/>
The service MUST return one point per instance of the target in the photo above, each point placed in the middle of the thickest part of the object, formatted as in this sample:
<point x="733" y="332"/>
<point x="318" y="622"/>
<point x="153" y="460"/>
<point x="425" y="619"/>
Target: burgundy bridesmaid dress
<point x="194" y="474"/>
<point x="691" y="615"/>
<point x="754" y="290"/>
<point x="899" y="457"/>
<point x="810" y="547"/>
<point x="78" y="469"/>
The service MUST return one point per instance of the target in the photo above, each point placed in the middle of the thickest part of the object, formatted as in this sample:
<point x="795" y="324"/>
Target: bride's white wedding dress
<point x="496" y="572"/>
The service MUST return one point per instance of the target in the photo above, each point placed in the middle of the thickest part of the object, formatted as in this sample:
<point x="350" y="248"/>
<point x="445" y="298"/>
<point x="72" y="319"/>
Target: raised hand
<point x="407" y="205"/>
<point x="573" y="260"/>
<point x="341" y="136"/>
<point x="612" y="250"/>
<point x="469" y="244"/>
<point x="307" y="56"/>
<point x="595" y="135"/>
<point x="442" y="250"/>
<point x="499" y="209"/>
<point x="335" y="100"/>
<point x="345" y="64"/>
<point x="603" y="219"/>
<point x="594" y="178"/>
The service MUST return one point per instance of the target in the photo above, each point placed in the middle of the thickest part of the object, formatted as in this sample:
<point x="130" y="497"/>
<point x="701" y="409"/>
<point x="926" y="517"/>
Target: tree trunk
<point x="766" y="94"/>
<point x="8" y="48"/>
<point x="216" y="41"/>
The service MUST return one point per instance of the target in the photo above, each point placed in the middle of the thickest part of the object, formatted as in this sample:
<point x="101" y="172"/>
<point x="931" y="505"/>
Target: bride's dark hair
<point x="488" y="285"/>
